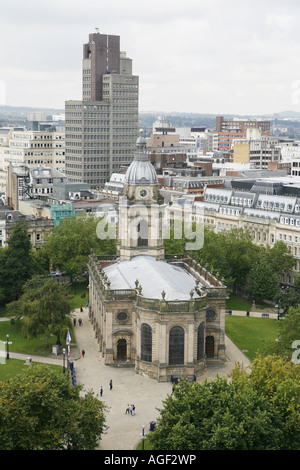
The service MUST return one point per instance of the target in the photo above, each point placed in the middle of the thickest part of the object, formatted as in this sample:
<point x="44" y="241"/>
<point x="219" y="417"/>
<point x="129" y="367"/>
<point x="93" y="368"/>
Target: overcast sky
<point x="197" y="56"/>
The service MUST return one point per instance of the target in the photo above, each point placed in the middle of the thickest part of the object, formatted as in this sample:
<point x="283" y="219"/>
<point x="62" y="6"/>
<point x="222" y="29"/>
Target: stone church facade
<point x="165" y="318"/>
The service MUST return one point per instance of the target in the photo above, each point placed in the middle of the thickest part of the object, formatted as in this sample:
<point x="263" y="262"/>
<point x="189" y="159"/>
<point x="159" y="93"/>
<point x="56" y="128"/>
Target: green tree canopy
<point x="172" y="244"/>
<point x="230" y="253"/>
<point x="278" y="257"/>
<point x="40" y="410"/>
<point x="43" y="307"/>
<point x="262" y="280"/>
<point x="289" y="333"/>
<point x="16" y="261"/>
<point x="252" y="411"/>
<point x="70" y="243"/>
<point x="287" y="299"/>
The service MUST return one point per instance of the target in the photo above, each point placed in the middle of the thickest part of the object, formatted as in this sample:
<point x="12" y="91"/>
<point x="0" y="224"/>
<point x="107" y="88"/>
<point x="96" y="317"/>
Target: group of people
<point x="79" y="321"/>
<point x="101" y="388"/>
<point x="130" y="409"/>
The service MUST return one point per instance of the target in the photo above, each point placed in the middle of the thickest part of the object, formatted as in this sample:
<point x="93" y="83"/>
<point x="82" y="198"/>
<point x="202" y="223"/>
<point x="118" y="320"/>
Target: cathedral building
<point x="164" y="317"/>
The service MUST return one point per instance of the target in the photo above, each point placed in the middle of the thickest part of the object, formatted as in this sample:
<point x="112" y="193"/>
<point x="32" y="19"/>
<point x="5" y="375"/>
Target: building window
<point x="122" y="316"/>
<point x="142" y="229"/>
<point x="200" y="342"/>
<point x="176" y="346"/>
<point x="146" y="343"/>
<point x="210" y="346"/>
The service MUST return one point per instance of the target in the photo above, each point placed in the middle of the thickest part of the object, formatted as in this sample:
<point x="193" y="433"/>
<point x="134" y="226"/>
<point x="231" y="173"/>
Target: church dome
<point x="141" y="170"/>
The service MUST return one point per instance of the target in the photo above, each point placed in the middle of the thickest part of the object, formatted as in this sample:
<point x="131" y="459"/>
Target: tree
<point x="41" y="262"/>
<point x="287" y="299"/>
<point x="279" y="257"/>
<point x="173" y="245"/>
<point x="247" y="411"/>
<point x="71" y="241"/>
<point x="230" y="253"/>
<point x="40" y="410"/>
<point x="297" y="283"/>
<point x="43" y="307"/>
<point x="16" y="261"/>
<point x="278" y="380"/>
<point x="288" y="334"/>
<point x="263" y="282"/>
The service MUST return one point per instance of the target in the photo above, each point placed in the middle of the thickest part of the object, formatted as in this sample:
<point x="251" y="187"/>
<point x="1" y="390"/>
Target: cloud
<point x="281" y="23"/>
<point x="197" y="56"/>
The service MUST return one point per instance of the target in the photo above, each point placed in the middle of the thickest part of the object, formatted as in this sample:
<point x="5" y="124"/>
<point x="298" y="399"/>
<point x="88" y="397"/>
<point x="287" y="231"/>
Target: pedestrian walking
<point x="127" y="410"/>
<point x="81" y="309"/>
<point x="101" y="391"/>
<point x="110" y="385"/>
<point x="83" y="352"/>
<point x="79" y="321"/>
<point x="133" y="410"/>
<point x="130" y="409"/>
<point x="74" y="321"/>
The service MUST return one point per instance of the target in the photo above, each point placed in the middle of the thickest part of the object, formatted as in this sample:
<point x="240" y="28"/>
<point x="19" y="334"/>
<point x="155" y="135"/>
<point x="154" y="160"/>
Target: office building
<point x="102" y="128"/>
<point x="228" y="131"/>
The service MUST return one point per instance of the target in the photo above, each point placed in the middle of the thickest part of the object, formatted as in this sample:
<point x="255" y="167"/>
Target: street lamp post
<point x="64" y="357"/>
<point x="7" y="349"/>
<point x="143" y="437"/>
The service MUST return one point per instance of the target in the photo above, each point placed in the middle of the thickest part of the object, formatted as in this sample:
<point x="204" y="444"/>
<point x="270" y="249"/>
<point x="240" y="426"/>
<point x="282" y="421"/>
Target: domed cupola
<point x="141" y="209"/>
<point x="141" y="171"/>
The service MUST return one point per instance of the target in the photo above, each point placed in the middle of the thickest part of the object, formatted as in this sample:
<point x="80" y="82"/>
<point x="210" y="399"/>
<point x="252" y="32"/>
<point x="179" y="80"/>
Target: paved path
<point x="128" y="387"/>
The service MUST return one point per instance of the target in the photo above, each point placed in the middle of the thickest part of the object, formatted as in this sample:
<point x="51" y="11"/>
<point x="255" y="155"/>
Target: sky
<point x="193" y="56"/>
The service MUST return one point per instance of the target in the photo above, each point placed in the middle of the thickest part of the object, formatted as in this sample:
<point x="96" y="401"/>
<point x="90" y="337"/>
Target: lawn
<point x="236" y="302"/>
<point x="79" y="295"/>
<point x="147" y="445"/>
<point x="250" y="333"/>
<point x="35" y="346"/>
<point x="11" y="367"/>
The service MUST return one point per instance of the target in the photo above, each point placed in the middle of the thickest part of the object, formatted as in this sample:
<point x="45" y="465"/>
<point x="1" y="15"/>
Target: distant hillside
<point x="21" y="112"/>
<point x="146" y="119"/>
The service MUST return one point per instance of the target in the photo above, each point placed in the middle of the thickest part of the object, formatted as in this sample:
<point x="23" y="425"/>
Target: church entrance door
<point x="122" y="350"/>
<point x="210" y="346"/>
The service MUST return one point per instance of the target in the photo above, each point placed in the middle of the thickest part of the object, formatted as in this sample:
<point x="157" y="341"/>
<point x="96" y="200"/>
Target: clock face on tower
<point x="143" y="192"/>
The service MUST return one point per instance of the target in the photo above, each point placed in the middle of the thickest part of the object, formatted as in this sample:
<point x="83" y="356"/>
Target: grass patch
<point x="146" y="445"/>
<point x="251" y="334"/>
<point x="77" y="292"/>
<point x="12" y="367"/>
<point x="35" y="346"/>
<point x="236" y="302"/>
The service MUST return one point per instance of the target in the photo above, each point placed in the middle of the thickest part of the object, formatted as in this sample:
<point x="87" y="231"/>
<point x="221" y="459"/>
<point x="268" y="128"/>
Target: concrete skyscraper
<point x="102" y="128"/>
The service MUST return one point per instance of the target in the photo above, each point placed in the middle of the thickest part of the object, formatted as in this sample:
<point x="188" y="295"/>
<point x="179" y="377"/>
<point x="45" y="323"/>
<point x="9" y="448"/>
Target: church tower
<point x="141" y="209"/>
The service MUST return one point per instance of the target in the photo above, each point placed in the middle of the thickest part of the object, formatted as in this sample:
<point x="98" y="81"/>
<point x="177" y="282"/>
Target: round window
<point x="210" y="315"/>
<point x="122" y="316"/>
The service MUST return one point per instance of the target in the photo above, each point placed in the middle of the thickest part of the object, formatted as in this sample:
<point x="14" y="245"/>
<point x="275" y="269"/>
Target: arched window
<point x="200" y="342"/>
<point x="142" y="229"/>
<point x="176" y="346"/>
<point x="210" y="346"/>
<point x="146" y="342"/>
